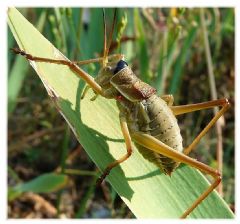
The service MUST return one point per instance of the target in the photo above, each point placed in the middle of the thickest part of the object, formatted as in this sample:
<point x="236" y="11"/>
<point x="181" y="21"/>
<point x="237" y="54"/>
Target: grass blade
<point x="19" y="71"/>
<point x="44" y="183"/>
<point x="182" y="60"/>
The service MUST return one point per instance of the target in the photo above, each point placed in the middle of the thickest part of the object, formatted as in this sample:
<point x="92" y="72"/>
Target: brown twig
<point x="41" y="203"/>
<point x="74" y="154"/>
<point x="71" y="157"/>
<point x="150" y="19"/>
<point x="19" y="145"/>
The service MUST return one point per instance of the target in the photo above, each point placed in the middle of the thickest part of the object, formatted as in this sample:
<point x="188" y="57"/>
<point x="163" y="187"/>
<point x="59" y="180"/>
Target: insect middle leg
<point x="161" y="148"/>
<point x="168" y="99"/>
<point x="127" y="139"/>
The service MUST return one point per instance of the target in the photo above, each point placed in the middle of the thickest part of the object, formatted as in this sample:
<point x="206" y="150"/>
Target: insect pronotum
<point x="146" y="119"/>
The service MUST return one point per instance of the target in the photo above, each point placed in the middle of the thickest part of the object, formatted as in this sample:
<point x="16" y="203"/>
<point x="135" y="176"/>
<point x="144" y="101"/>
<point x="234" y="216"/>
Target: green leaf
<point x="147" y="192"/>
<point x="15" y="82"/>
<point x="143" y="48"/>
<point x="182" y="60"/>
<point x="45" y="183"/>
<point x="19" y="71"/>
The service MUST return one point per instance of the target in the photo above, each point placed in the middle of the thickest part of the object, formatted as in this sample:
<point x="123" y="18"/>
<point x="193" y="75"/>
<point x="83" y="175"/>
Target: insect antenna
<point x="105" y="39"/>
<point x="112" y="29"/>
<point x="108" y="45"/>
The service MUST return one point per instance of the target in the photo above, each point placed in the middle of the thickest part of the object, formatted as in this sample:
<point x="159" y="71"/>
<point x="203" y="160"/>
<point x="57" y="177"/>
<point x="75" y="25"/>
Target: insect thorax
<point x="124" y="83"/>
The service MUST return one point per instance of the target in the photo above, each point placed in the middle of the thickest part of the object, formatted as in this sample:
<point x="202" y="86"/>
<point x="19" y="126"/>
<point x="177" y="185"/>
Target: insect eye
<point x="120" y="65"/>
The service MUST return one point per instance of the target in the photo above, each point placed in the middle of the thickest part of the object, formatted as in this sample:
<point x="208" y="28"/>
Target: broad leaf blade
<point x="147" y="192"/>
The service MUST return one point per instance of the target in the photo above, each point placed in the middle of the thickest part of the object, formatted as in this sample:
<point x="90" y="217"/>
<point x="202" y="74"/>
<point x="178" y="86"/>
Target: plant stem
<point x="212" y="85"/>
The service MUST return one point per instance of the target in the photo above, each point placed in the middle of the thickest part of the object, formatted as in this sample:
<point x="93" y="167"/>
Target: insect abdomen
<point x="156" y="119"/>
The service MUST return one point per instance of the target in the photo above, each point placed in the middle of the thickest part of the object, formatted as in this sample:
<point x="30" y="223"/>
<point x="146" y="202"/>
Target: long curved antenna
<point x="105" y="38"/>
<point x="111" y="33"/>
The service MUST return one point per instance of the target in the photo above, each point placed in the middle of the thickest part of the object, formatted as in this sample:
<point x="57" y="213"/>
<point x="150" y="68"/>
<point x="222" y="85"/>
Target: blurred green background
<point x="164" y="47"/>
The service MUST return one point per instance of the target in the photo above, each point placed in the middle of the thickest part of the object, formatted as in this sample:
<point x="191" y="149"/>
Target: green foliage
<point x="45" y="183"/>
<point x="18" y="72"/>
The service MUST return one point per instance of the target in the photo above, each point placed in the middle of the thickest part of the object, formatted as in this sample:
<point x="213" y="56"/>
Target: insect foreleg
<point x="168" y="99"/>
<point x="85" y="90"/>
<point x="128" y="143"/>
<point x="161" y="148"/>
<point x="201" y="106"/>
<point x="85" y="76"/>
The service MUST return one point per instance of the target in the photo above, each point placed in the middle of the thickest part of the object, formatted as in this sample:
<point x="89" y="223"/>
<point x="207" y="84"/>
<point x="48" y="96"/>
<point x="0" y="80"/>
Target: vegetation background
<point x="165" y="47"/>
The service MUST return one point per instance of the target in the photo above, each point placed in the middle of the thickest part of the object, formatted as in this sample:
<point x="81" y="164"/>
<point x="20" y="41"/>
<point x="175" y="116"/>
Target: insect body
<point x="144" y="112"/>
<point x="145" y="118"/>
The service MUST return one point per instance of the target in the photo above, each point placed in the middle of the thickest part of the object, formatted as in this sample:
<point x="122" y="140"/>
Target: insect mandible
<point x="146" y="119"/>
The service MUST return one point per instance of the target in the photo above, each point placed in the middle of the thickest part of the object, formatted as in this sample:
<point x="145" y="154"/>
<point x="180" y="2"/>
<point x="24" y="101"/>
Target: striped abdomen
<point x="155" y="118"/>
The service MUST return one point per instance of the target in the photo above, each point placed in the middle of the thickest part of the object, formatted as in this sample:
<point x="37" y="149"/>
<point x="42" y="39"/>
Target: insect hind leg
<point x="177" y="110"/>
<point x="159" y="147"/>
